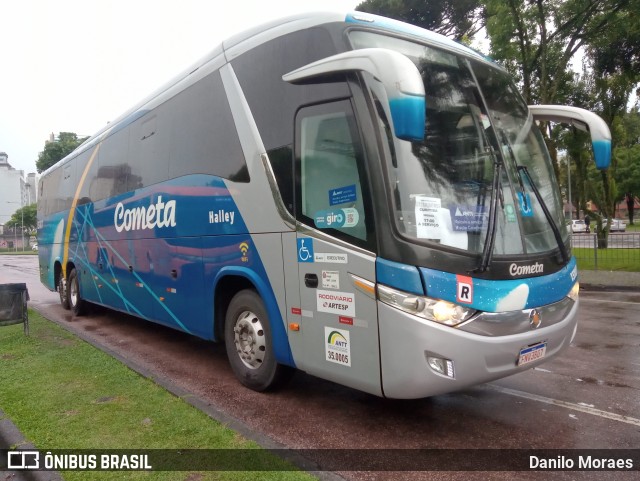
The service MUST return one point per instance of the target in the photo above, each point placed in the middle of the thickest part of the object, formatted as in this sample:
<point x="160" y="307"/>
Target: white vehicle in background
<point x="578" y="226"/>
<point x="617" y="225"/>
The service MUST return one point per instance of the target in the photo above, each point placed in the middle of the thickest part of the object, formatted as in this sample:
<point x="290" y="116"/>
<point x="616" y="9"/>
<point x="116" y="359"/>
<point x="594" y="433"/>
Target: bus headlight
<point x="573" y="293"/>
<point x="437" y="310"/>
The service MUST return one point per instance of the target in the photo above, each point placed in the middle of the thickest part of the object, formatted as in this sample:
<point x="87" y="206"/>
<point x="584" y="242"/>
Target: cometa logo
<point x="160" y="214"/>
<point x="516" y="270"/>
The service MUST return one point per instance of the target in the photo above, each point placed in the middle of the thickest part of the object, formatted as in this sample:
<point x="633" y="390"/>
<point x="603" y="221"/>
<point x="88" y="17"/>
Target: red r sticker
<point x="464" y="289"/>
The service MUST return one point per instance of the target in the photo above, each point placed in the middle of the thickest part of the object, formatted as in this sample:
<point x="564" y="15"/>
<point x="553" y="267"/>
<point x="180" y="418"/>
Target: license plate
<point x="532" y="353"/>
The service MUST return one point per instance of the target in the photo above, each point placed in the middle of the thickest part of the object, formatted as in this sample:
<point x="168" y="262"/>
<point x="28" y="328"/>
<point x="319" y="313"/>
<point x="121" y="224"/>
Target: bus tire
<point x="63" y="292"/>
<point x="249" y="343"/>
<point x="77" y="305"/>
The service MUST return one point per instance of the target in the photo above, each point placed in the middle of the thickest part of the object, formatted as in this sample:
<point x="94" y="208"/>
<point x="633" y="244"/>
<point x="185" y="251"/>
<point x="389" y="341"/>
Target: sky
<point x="74" y="65"/>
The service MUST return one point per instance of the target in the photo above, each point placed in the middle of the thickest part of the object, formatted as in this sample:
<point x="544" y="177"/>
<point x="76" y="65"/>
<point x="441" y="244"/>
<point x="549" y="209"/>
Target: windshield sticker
<point x="335" y="302"/>
<point x="428" y="217"/>
<point x="337" y="346"/>
<point x="337" y="218"/>
<point x="468" y="218"/>
<point x="342" y="195"/>
<point x="305" y="250"/>
<point x="510" y="212"/>
<point x="331" y="279"/>
<point x="526" y="209"/>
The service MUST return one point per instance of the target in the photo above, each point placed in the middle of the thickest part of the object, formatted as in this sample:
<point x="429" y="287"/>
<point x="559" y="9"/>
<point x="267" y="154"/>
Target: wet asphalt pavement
<point x="588" y="398"/>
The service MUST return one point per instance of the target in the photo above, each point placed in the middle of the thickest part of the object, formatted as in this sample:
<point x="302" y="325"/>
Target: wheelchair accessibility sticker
<point x="305" y="250"/>
<point x="526" y="209"/>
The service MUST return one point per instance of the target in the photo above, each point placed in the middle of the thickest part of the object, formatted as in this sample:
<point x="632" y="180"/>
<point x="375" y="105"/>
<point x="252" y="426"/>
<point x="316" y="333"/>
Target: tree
<point x="458" y="19"/>
<point x="26" y="214"/>
<point x="54" y="151"/>
<point x="630" y="205"/>
<point x="628" y="175"/>
<point x="617" y="50"/>
<point x="536" y="40"/>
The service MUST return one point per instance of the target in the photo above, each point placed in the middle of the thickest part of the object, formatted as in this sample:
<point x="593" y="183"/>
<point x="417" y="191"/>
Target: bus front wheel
<point x="249" y="343"/>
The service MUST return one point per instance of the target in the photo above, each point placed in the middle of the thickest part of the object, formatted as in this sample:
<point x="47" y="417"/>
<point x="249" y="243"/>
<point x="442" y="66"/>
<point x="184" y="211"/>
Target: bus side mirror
<point x="399" y="76"/>
<point x="584" y="120"/>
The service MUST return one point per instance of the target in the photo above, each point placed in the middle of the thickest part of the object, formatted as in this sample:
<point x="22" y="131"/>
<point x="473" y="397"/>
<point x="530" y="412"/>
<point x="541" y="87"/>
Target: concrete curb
<point x="10" y="438"/>
<point x="609" y="280"/>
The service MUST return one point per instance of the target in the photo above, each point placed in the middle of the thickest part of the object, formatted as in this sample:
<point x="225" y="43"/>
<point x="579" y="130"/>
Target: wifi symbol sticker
<point x="244" y="248"/>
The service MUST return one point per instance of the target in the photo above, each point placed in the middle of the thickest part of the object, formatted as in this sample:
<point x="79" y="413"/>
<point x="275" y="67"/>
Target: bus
<point x="338" y="193"/>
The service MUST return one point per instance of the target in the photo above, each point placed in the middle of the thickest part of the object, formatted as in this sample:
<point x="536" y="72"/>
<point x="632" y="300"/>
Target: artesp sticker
<point x="336" y="302"/>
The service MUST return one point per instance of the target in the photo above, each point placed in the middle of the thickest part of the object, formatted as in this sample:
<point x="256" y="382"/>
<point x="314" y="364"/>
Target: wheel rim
<point x="73" y="292"/>
<point x="249" y="339"/>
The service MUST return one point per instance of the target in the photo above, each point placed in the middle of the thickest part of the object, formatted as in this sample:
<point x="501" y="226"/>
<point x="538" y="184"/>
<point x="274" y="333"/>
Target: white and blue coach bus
<point x="344" y="194"/>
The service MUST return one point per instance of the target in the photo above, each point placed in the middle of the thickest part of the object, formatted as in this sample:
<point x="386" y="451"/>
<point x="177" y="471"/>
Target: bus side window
<point x="331" y="187"/>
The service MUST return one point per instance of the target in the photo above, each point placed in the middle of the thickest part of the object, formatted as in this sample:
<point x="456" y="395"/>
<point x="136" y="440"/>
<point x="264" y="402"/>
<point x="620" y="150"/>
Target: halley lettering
<point x="516" y="270"/>
<point x="160" y="214"/>
<point x="221" y="217"/>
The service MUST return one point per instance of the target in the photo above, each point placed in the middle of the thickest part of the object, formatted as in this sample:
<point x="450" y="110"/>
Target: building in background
<point x="16" y="191"/>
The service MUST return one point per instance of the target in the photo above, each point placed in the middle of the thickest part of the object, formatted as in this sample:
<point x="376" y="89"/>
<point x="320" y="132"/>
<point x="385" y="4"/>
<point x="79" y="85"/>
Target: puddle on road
<point x="600" y="382"/>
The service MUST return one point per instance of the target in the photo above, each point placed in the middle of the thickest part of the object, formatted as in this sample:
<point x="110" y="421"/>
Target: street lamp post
<point x="569" y="187"/>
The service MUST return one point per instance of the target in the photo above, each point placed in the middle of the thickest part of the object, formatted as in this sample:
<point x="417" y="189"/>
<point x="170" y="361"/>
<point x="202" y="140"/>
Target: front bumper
<point x="406" y="340"/>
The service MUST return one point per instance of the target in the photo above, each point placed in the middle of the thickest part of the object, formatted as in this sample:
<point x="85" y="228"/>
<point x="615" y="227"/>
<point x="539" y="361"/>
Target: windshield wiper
<point x="547" y="214"/>
<point x="496" y="185"/>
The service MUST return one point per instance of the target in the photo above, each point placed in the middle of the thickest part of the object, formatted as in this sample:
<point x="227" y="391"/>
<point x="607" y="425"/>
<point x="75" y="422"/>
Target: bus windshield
<point x="477" y="127"/>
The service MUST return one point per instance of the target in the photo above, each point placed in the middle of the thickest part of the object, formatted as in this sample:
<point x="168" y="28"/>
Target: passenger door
<point x="335" y="239"/>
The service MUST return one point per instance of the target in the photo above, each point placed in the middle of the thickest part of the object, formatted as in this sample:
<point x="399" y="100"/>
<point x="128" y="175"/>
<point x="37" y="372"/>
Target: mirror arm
<point x="581" y="119"/>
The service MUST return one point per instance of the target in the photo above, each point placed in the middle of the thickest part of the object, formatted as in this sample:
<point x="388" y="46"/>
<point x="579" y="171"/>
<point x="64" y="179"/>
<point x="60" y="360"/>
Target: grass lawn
<point x="627" y="260"/>
<point x="63" y="393"/>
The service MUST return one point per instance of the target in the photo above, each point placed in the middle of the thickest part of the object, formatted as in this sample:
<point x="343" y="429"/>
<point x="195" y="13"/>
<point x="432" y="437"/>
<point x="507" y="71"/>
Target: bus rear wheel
<point x="77" y="305"/>
<point x="62" y="291"/>
<point x="249" y="343"/>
